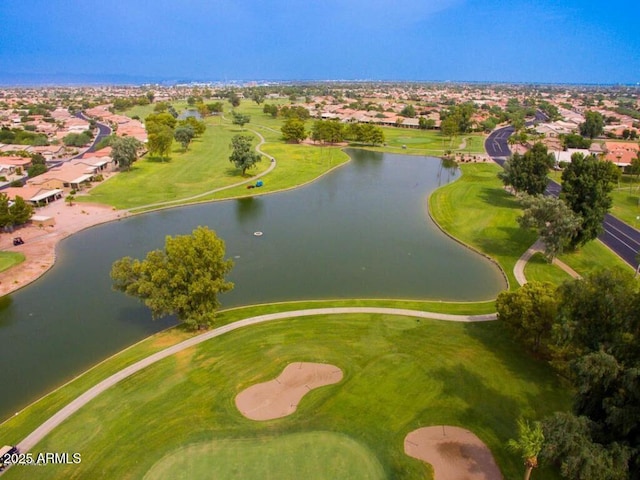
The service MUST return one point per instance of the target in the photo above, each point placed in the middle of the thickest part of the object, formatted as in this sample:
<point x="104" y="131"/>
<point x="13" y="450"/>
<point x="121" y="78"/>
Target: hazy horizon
<point x="575" y="42"/>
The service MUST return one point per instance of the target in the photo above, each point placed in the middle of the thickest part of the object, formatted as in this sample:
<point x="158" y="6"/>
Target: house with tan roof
<point x="36" y="195"/>
<point x="65" y="176"/>
<point x="621" y="153"/>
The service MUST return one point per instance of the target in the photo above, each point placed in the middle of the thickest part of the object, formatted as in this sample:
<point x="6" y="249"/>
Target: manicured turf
<point x="428" y="142"/>
<point x="205" y="166"/>
<point x="476" y="210"/>
<point x="312" y="455"/>
<point x="542" y="271"/>
<point x="9" y="259"/>
<point x="400" y="374"/>
<point x="626" y="201"/>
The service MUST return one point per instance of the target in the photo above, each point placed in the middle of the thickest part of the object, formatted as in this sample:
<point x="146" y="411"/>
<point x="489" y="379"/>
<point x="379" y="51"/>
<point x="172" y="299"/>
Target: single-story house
<point x="35" y="195"/>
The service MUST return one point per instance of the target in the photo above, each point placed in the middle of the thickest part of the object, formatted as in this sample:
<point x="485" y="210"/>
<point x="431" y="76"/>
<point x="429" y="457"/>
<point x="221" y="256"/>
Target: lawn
<point x="539" y="269"/>
<point x="477" y="211"/>
<point x="9" y="259"/>
<point x="285" y="457"/>
<point x="400" y="374"/>
<point x="428" y="142"/>
<point x="204" y="166"/>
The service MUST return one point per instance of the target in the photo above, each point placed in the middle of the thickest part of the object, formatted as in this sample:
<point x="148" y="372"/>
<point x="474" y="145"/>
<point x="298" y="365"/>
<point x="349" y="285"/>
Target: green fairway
<point x="400" y="373"/>
<point x="312" y="455"/>
<point x="9" y="259"/>
<point x="476" y="210"/>
<point x="428" y="142"/>
<point x="205" y="166"/>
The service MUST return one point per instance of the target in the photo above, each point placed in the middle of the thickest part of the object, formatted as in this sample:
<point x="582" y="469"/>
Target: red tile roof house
<point x="621" y="153"/>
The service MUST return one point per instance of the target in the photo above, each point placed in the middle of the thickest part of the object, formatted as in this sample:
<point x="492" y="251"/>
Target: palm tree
<point x="528" y="445"/>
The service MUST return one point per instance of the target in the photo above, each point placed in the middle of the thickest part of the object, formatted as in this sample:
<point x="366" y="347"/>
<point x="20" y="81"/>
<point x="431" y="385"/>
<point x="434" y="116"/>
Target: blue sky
<point x="459" y="40"/>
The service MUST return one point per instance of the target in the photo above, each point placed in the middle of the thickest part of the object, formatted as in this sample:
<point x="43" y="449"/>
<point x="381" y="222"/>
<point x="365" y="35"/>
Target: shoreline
<point x="40" y="243"/>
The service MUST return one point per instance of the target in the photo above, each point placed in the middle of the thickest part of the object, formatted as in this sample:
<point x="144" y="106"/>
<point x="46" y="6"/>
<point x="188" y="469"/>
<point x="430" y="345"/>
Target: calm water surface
<point x="360" y="232"/>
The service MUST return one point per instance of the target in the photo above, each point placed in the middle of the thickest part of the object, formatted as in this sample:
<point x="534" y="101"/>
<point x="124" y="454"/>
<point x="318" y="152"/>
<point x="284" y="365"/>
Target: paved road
<point x="623" y="239"/>
<point x="103" y="131"/>
<point x="38" y="434"/>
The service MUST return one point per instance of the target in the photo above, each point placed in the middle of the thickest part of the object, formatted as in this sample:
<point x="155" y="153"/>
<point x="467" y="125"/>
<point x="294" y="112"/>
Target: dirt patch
<point x="280" y="397"/>
<point x="39" y="246"/>
<point x="453" y="452"/>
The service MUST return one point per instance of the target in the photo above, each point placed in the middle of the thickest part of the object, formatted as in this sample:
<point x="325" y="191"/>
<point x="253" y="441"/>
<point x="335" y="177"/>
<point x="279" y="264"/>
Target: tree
<point x="183" y="135"/>
<point x="569" y="444"/>
<point x="593" y="124"/>
<point x="528" y="173"/>
<point x="554" y="221"/>
<point x="293" y="130"/>
<point x="124" y="151"/>
<point x="449" y="127"/>
<point x="598" y="312"/>
<point x="596" y="334"/>
<point x="234" y="99"/>
<point x="529" y="313"/>
<point x="240" y="119"/>
<point x="243" y="156"/>
<point x="77" y="139"/>
<point x="529" y="444"/>
<point x="330" y="131"/>
<point x="199" y="127"/>
<point x="586" y="187"/>
<point x="38" y="166"/>
<point x="573" y="140"/>
<point x="408" y="111"/>
<point x="6" y="219"/>
<point x="20" y="211"/>
<point x="257" y="97"/>
<point x="160" y="141"/>
<point x="215" y="107"/>
<point x="183" y="279"/>
<point x="365" y="133"/>
<point x="155" y="121"/>
<point x="270" y="109"/>
<point x="425" y="123"/>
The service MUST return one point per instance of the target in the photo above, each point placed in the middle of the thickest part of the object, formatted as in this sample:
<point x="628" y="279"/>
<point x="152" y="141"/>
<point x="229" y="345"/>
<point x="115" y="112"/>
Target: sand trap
<point x="280" y="397"/>
<point x="453" y="453"/>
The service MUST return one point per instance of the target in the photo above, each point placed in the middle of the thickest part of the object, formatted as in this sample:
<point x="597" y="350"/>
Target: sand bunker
<point x="453" y="453"/>
<point x="280" y="397"/>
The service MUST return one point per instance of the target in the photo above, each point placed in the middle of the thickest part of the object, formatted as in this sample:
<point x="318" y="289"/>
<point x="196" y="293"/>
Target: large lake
<point x="362" y="231"/>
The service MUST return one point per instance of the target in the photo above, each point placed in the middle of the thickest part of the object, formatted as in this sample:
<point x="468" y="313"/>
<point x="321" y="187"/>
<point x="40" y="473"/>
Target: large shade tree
<point x="183" y="279"/>
<point x="586" y="187"/>
<point x="242" y="155"/>
<point x="554" y="221"/>
<point x="528" y="172"/>
<point x="124" y="151"/>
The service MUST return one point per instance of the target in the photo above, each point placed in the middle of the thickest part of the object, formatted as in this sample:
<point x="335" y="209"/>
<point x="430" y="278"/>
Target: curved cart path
<point x="518" y="269"/>
<point x="38" y="434"/>
<point x="179" y="201"/>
